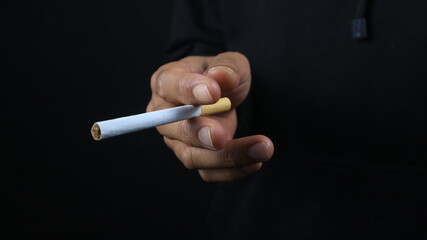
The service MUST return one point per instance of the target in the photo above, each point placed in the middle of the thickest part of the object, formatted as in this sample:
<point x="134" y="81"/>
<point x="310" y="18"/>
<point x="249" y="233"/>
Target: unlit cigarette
<point x="119" y="126"/>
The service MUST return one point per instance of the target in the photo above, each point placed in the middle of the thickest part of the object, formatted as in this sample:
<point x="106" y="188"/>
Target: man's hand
<point x="206" y="143"/>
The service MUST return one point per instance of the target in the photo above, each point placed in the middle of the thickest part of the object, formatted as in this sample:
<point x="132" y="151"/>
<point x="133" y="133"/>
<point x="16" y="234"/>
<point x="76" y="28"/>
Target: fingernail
<point x="204" y="136"/>
<point x="258" y="151"/>
<point x="227" y="69"/>
<point x="201" y="92"/>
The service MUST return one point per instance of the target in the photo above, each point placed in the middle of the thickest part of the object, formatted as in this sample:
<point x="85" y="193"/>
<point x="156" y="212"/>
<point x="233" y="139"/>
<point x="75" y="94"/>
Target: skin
<point x="207" y="144"/>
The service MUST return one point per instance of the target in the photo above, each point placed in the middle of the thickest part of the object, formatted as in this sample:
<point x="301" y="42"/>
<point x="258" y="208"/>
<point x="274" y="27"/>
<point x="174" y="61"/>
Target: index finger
<point x="231" y="70"/>
<point x="203" y="80"/>
<point x="178" y="83"/>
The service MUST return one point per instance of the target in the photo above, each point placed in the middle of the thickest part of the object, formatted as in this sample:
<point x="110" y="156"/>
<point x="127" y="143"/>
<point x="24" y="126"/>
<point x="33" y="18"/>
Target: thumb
<point x="231" y="70"/>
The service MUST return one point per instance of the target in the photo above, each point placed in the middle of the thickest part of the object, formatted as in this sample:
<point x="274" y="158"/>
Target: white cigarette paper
<point x="119" y="126"/>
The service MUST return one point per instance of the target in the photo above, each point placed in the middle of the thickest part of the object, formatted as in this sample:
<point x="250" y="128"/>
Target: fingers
<point x="207" y="132"/>
<point x="231" y="70"/>
<point x="235" y="160"/>
<point x="206" y="143"/>
<point x="203" y="80"/>
<point x="178" y="86"/>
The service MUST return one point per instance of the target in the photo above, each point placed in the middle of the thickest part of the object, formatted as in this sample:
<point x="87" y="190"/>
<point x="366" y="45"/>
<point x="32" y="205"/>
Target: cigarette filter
<point x="123" y="125"/>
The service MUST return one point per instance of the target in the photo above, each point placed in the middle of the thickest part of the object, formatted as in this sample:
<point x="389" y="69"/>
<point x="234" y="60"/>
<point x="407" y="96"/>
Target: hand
<point x="206" y="143"/>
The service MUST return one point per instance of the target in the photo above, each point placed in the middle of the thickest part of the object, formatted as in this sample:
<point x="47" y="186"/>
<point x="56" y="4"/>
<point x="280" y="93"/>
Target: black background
<point x="69" y="64"/>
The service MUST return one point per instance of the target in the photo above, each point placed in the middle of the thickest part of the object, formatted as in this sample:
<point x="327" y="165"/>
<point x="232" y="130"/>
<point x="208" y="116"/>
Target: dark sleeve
<point x="196" y="29"/>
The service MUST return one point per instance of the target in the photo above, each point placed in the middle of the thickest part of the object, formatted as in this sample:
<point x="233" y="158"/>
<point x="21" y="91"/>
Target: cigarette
<point x="123" y="125"/>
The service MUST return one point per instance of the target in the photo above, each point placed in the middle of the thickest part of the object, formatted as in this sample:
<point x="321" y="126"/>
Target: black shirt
<point x="347" y="116"/>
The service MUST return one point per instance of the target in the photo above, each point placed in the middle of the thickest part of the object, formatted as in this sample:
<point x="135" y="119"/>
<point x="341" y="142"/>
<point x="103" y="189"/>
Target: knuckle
<point x="153" y="80"/>
<point x="155" y="104"/>
<point x="228" y="159"/>
<point x="186" y="157"/>
<point x="186" y="133"/>
<point x="243" y="60"/>
<point x="150" y="107"/>
<point x="165" y="75"/>
<point x="241" y="56"/>
<point x="159" y="82"/>
<point x="238" y="55"/>
<point x="159" y="73"/>
<point x="222" y="59"/>
<point x="174" y="64"/>
<point x="175" y="67"/>
<point x="156" y="82"/>
<point x="235" y="60"/>
<point x="182" y="87"/>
